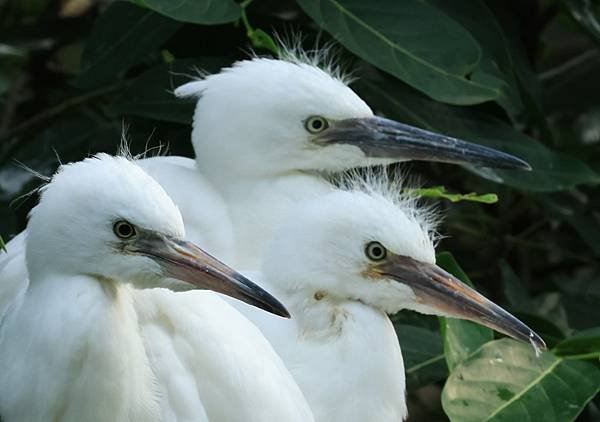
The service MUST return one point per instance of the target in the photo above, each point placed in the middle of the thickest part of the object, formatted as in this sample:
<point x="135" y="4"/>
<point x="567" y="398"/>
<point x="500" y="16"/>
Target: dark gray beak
<point x="379" y="137"/>
<point x="186" y="262"/>
<point x="447" y="295"/>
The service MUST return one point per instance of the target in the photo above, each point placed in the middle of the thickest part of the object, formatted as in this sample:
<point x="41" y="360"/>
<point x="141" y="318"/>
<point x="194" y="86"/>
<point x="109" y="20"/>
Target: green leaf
<point x="552" y="171"/>
<point x="505" y="381"/>
<point x="577" y="216"/>
<point x="260" y="39"/>
<point x="583" y="343"/>
<point x="151" y="94"/>
<point x="461" y="338"/>
<point x="413" y="41"/>
<point x="587" y="13"/>
<point x="423" y="355"/>
<point x="2" y="245"/>
<point x="440" y="192"/>
<point x="514" y="290"/>
<point x="496" y="47"/>
<point x="203" y="12"/>
<point x="573" y="86"/>
<point x="121" y="37"/>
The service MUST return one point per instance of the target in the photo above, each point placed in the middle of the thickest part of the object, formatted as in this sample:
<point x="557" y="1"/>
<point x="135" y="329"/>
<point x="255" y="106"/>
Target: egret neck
<point x="260" y="204"/>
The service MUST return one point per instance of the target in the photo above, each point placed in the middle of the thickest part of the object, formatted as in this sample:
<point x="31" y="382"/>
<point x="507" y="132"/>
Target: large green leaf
<point x="505" y="381"/>
<point x="584" y="342"/>
<point x="514" y="290"/>
<point x="461" y="338"/>
<point x="121" y="37"/>
<point x="203" y="12"/>
<point x="413" y="41"/>
<point x="497" y="49"/>
<point x="552" y="171"/>
<point x="151" y="94"/>
<point x="423" y="355"/>
<point x="587" y="13"/>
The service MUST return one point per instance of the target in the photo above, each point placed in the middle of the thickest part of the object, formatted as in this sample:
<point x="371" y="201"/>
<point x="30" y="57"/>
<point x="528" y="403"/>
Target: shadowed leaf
<point x="413" y="41"/>
<point x="552" y="171"/>
<point x="121" y="37"/>
<point x="204" y="12"/>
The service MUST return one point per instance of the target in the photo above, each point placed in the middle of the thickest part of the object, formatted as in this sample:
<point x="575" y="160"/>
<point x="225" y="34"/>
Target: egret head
<point x="373" y="248"/>
<point x="267" y="116"/>
<point x="104" y="217"/>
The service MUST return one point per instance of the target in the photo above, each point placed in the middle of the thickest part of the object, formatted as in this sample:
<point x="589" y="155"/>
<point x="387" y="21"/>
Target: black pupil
<point x="317" y="124"/>
<point x="376" y="251"/>
<point x="125" y="230"/>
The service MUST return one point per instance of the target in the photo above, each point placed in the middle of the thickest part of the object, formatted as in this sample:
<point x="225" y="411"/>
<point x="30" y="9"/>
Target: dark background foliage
<point x="521" y="76"/>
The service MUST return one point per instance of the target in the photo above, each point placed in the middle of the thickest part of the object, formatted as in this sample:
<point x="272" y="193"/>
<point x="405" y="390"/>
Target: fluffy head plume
<point x="395" y="187"/>
<point x="323" y="56"/>
<point x="124" y="148"/>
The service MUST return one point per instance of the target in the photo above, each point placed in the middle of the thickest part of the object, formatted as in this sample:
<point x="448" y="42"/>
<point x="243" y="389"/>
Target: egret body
<point x="341" y="263"/>
<point x="79" y="344"/>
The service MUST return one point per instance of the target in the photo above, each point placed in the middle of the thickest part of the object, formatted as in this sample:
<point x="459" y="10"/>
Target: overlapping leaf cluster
<point x="520" y="76"/>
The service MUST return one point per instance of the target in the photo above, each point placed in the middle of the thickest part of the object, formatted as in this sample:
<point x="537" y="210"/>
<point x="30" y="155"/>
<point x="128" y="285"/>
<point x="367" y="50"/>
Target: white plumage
<point x="81" y="343"/>
<point x="341" y="263"/>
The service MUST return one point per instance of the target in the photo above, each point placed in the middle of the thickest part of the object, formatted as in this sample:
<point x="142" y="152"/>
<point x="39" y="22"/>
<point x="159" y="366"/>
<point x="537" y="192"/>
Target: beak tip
<point x="510" y="162"/>
<point x="524" y="165"/>
<point x="537" y="341"/>
<point x="280" y="310"/>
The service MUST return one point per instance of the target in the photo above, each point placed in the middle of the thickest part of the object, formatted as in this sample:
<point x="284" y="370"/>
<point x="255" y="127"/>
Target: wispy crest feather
<point x="124" y="148"/>
<point x="397" y="188"/>
<point x="325" y="56"/>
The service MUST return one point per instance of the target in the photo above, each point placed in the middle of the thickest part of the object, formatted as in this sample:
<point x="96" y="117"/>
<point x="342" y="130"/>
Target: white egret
<point x="75" y="344"/>
<point x="266" y="130"/>
<point x="340" y="263"/>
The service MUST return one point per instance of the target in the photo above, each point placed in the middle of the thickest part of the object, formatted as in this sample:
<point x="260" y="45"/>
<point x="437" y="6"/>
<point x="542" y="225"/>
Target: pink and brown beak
<point x="447" y="295"/>
<point x="186" y="262"/>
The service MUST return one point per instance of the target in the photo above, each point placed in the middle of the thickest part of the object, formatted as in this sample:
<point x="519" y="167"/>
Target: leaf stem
<point x="249" y="29"/>
<point x="258" y="37"/>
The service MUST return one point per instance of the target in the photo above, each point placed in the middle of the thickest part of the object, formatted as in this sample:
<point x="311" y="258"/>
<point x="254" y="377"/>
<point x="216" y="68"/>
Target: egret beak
<point x="447" y="295"/>
<point x="379" y="137"/>
<point x="186" y="262"/>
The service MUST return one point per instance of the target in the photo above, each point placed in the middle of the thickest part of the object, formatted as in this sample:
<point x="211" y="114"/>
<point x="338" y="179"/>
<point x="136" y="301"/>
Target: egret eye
<point x="316" y="124"/>
<point x="375" y="251"/>
<point x="124" y="229"/>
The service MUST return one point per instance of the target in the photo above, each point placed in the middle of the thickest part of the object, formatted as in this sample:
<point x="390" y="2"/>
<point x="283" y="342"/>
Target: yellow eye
<point x="316" y="124"/>
<point x="375" y="251"/>
<point x="124" y="229"/>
